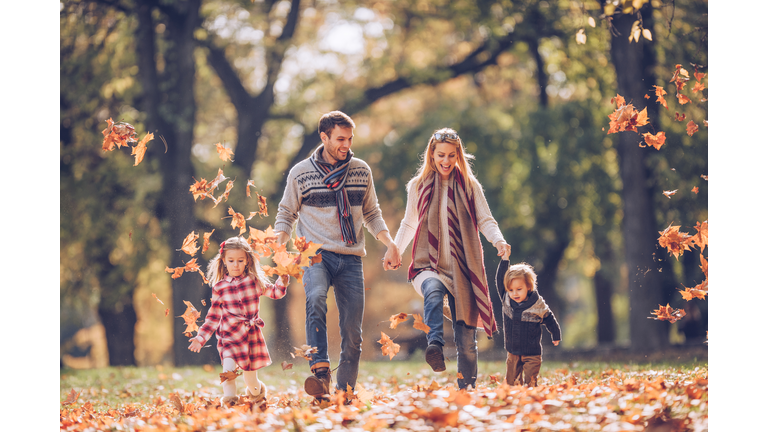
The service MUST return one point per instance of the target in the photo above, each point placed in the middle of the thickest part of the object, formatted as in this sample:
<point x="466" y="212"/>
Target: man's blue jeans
<point x="464" y="337"/>
<point x="345" y="274"/>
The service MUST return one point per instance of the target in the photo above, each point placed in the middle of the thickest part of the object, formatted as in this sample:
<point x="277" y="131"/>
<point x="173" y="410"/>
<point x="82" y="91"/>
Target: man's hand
<point x="504" y="250"/>
<point x="282" y="237"/>
<point x="391" y="260"/>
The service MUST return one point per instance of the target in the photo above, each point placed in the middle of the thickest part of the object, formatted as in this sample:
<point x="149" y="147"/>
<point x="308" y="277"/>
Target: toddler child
<point x="524" y="312"/>
<point x="238" y="281"/>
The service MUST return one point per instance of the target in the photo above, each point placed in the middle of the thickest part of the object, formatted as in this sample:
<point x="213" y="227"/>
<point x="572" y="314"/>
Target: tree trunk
<point x="548" y="274"/>
<point x="119" y="323"/>
<point x="634" y="64"/>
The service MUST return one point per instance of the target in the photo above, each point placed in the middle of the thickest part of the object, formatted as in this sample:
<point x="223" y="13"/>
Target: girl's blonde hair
<point x="462" y="160"/>
<point x="217" y="270"/>
<point x="521" y="270"/>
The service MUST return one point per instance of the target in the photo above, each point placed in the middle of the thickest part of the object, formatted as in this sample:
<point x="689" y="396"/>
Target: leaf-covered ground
<point x="395" y="395"/>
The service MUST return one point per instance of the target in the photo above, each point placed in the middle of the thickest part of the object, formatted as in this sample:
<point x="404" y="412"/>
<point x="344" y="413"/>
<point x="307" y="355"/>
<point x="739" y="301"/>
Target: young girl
<point x="524" y="313"/>
<point x="238" y="282"/>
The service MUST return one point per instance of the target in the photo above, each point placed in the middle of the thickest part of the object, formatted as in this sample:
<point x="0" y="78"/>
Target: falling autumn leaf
<point x="705" y="177"/>
<point x="160" y="301"/>
<point x="248" y="188"/>
<point x="72" y="397"/>
<point x="216" y="182"/>
<point x="669" y="194"/>
<point x="699" y="76"/>
<point x="285" y="365"/>
<point x="683" y="99"/>
<point x="190" y="315"/>
<point x="207" y="240"/>
<point x="305" y="351"/>
<point x="199" y="189"/>
<point x="655" y="141"/>
<point x="117" y="135"/>
<point x="167" y="311"/>
<point x="394" y="320"/>
<point x="262" y="205"/>
<point x="667" y="313"/>
<point x="388" y="347"/>
<point x="141" y="148"/>
<point x="224" y="196"/>
<point x="581" y="37"/>
<point x="679" y="117"/>
<point x="695" y="189"/>
<point x="660" y="92"/>
<point x="691" y="128"/>
<point x="698" y="87"/>
<point x="692" y="293"/>
<point x="203" y="302"/>
<point x="230" y="375"/>
<point x="418" y="324"/>
<point x="701" y="238"/>
<point x="675" y="241"/>
<point x="238" y="221"/>
<point x="225" y="153"/>
<point x="680" y="78"/>
<point x="175" y="272"/>
<point x="626" y="118"/>
<point x="189" y="246"/>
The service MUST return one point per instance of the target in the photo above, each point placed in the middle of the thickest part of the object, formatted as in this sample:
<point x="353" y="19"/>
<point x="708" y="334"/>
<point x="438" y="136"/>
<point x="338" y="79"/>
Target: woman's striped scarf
<point x="335" y="178"/>
<point x="473" y="301"/>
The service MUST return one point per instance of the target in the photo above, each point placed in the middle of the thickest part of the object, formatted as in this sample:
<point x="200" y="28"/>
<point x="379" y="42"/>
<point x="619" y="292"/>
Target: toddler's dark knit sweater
<point x="522" y="321"/>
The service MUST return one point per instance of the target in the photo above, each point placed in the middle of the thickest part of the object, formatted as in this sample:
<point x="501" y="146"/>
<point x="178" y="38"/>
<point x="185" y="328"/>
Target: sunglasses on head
<point x="440" y="136"/>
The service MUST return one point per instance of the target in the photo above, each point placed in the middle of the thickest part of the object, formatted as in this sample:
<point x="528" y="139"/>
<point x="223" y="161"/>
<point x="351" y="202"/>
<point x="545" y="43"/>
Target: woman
<point x="445" y="209"/>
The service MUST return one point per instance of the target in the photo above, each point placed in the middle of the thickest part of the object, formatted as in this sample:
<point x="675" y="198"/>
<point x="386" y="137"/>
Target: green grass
<point x="116" y="386"/>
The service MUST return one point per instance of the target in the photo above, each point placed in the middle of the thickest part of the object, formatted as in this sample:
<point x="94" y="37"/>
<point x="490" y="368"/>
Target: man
<point x="331" y="196"/>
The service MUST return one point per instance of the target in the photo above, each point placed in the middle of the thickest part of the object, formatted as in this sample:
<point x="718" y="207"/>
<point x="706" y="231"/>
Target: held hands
<point x="504" y="250"/>
<point x="392" y="260"/>
<point x="195" y="345"/>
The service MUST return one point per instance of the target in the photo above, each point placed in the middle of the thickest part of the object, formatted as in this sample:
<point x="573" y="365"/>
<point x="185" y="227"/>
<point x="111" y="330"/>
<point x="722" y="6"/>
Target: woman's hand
<point x="504" y="250"/>
<point x="195" y="345"/>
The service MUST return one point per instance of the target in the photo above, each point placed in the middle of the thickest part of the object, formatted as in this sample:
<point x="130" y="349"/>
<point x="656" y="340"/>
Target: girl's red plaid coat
<point x="234" y="316"/>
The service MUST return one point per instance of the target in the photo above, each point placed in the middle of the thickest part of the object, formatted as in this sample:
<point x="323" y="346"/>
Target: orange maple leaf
<point x="248" y="188"/>
<point x="225" y="153"/>
<point x="701" y="238"/>
<point x="141" y="148"/>
<point x="682" y="99"/>
<point x="166" y="312"/>
<point x="199" y="188"/>
<point x="72" y="397"/>
<point x="698" y="75"/>
<point x="388" y="347"/>
<point x="207" y="240"/>
<point x="691" y="128"/>
<point x="626" y="118"/>
<point x="117" y="135"/>
<point x="175" y="272"/>
<point x="394" y="320"/>
<point x="667" y="313"/>
<point x="418" y="324"/>
<point x="191" y="315"/>
<point x="680" y="78"/>
<point x="224" y="196"/>
<point x="660" y="92"/>
<point x="675" y="241"/>
<point x="238" y="221"/>
<point x="189" y="246"/>
<point x="230" y="375"/>
<point x="285" y="365"/>
<point x="698" y="87"/>
<point x="262" y="205"/>
<point x="216" y="181"/>
<point x="655" y="141"/>
<point x="691" y="293"/>
<point x="669" y="194"/>
<point x="679" y="117"/>
<point x="305" y="351"/>
<point x="695" y="189"/>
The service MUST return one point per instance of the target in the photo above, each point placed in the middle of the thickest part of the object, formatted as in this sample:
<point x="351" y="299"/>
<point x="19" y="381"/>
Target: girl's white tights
<point x="230" y="386"/>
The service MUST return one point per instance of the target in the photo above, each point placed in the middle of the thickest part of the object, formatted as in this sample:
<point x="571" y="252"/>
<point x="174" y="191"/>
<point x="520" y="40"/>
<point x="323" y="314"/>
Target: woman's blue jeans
<point x="345" y="274"/>
<point x="464" y="337"/>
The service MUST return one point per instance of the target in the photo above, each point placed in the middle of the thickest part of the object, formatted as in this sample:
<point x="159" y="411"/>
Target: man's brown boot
<point x="318" y="384"/>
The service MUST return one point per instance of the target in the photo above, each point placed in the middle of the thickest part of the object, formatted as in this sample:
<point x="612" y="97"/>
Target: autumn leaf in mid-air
<point x="660" y="92"/>
<point x="305" y="351"/>
<point x="189" y="246"/>
<point x="224" y="196"/>
<point x="691" y="128"/>
<point x="248" y="188"/>
<point x="207" y="240"/>
<point x="199" y="189"/>
<point x="626" y="117"/>
<point x="695" y="189"/>
<point x="394" y="320"/>
<point x="230" y="375"/>
<point x="175" y="272"/>
<point x="238" y="221"/>
<point x="675" y="241"/>
<point x="679" y="117"/>
<point x="262" y="205"/>
<point x="655" y="141"/>
<point x="260" y="240"/>
<point x="225" y="153"/>
<point x="216" y="181"/>
<point x="667" y="313"/>
<point x="191" y="315"/>
<point x="669" y="194"/>
<point x="680" y="78"/>
<point x="72" y="397"/>
<point x="418" y="324"/>
<point x="701" y="238"/>
<point x="117" y="135"/>
<point x="698" y="87"/>
<point x="141" y="148"/>
<point x="388" y="347"/>
<point x="285" y="365"/>
<point x="692" y="293"/>
<point x="160" y="301"/>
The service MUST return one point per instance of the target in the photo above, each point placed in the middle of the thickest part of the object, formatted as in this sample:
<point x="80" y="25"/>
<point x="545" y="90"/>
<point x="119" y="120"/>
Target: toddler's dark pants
<point x="527" y="366"/>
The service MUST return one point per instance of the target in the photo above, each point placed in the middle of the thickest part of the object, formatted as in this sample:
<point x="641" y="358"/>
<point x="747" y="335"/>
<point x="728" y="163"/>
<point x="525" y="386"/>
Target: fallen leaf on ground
<point x="72" y="397"/>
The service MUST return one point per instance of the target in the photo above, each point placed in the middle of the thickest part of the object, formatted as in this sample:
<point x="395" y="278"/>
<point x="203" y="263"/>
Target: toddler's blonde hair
<point x="521" y="270"/>
<point x="217" y="270"/>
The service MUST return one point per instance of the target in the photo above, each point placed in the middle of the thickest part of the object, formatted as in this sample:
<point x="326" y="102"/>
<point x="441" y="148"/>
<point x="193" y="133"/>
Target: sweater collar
<point x="525" y="304"/>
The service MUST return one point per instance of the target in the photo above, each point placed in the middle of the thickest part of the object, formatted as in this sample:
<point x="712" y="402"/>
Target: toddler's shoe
<point x="228" y="401"/>
<point x="434" y="357"/>
<point x="259" y="397"/>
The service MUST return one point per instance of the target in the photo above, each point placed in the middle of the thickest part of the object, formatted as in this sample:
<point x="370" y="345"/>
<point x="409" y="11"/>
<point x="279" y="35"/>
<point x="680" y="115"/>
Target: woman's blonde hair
<point x="521" y="270"/>
<point x="462" y="159"/>
<point x="217" y="270"/>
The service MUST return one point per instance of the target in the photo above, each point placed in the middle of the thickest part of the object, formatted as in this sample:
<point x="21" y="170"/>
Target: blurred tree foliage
<point x="528" y="100"/>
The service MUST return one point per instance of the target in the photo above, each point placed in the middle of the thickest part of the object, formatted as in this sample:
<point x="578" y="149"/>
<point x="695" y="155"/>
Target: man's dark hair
<point x="332" y="119"/>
